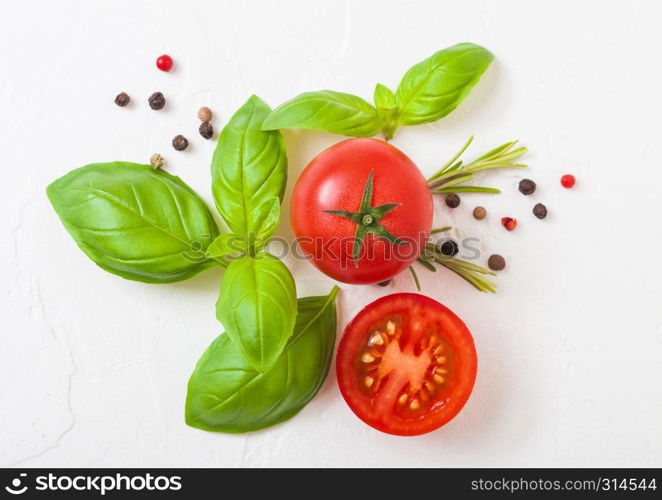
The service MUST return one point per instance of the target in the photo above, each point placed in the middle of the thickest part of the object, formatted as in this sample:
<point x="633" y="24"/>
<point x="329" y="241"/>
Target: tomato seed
<point x="403" y="399"/>
<point x="368" y="381"/>
<point x="390" y="327"/>
<point x="414" y="405"/>
<point x="367" y="358"/>
<point x="376" y="339"/>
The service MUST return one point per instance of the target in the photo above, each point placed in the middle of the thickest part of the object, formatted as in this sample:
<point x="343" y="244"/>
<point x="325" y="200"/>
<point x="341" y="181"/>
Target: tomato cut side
<point x="406" y="364"/>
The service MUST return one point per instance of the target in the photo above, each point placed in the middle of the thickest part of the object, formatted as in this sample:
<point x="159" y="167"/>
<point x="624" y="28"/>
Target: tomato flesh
<point x="406" y="364"/>
<point x="335" y="180"/>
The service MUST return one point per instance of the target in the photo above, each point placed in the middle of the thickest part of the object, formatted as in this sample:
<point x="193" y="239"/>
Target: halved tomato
<point x="406" y="364"/>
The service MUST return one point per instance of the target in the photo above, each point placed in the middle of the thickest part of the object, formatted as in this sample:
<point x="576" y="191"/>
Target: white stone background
<point x="93" y="369"/>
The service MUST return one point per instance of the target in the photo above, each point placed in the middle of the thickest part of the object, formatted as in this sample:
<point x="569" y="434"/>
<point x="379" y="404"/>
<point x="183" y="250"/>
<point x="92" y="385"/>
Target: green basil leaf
<point x="436" y="86"/>
<point x="134" y="221"/>
<point x="257" y="306"/>
<point x="387" y="109"/>
<point x="268" y="223"/>
<point x="327" y="110"/>
<point x="249" y="168"/>
<point x="227" y="244"/>
<point x="384" y="97"/>
<point x="225" y="394"/>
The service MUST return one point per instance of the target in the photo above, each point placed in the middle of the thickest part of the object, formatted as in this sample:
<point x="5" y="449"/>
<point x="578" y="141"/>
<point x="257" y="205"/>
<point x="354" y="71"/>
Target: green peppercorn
<point x="156" y="101"/>
<point x="206" y="130"/>
<point x="156" y="161"/>
<point x="180" y="143"/>
<point x="527" y="187"/>
<point x="496" y="262"/>
<point x="480" y="213"/>
<point x="452" y="200"/>
<point x="540" y="211"/>
<point x="122" y="99"/>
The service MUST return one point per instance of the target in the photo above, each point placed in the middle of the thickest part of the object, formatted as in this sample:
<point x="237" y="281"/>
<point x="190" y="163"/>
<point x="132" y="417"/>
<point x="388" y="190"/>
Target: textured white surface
<point x="93" y="369"/>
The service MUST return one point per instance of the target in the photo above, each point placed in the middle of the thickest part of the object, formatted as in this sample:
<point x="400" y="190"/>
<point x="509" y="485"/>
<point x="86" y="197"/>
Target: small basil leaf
<point x="384" y="97"/>
<point x="134" y="221"/>
<point x="327" y="110"/>
<point x="268" y="215"/>
<point x="249" y="167"/>
<point x="387" y="109"/>
<point x="225" y="394"/>
<point x="436" y="86"/>
<point x="257" y="306"/>
<point x="227" y="244"/>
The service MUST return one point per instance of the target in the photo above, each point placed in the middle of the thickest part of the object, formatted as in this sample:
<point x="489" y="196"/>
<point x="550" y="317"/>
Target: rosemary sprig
<point x="415" y="276"/>
<point x="451" y="177"/>
<point x="472" y="273"/>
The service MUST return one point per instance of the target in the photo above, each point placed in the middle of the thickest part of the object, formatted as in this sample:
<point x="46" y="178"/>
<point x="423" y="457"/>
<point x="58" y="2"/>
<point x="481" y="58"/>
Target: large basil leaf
<point x="249" y="169"/>
<point x="327" y="110"/>
<point x="134" y="221"/>
<point x="225" y="394"/>
<point x="257" y="307"/>
<point x="436" y="86"/>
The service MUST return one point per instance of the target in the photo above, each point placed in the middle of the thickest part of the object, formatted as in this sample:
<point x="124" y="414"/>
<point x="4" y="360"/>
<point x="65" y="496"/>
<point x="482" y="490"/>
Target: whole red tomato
<point x="361" y="211"/>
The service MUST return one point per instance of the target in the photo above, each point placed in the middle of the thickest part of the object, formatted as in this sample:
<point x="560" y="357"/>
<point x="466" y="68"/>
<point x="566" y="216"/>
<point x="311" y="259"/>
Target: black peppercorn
<point x="449" y="248"/>
<point x="452" y="200"/>
<point x="122" y="99"/>
<point x="540" y="211"/>
<point x="527" y="186"/>
<point x="384" y="283"/>
<point x="496" y="262"/>
<point x="156" y="101"/>
<point x="206" y="130"/>
<point x="180" y="143"/>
